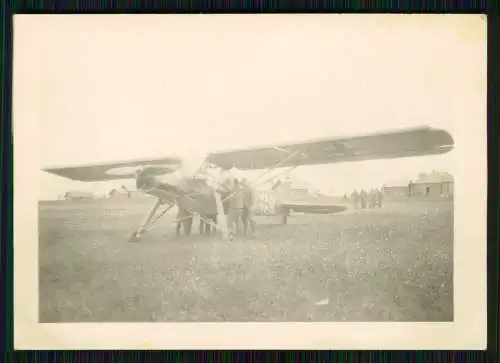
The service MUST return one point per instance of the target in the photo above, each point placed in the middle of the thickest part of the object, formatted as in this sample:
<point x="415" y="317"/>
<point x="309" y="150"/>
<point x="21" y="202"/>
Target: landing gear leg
<point x="145" y="223"/>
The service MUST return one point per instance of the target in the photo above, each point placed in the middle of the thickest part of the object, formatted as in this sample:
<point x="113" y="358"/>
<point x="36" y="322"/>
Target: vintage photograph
<point x="292" y="169"/>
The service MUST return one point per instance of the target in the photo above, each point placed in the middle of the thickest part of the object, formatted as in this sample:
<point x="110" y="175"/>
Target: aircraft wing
<point x="386" y="145"/>
<point x="383" y="145"/>
<point x="115" y="170"/>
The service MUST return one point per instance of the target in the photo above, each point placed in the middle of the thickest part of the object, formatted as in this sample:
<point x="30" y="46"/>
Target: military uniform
<point x="247" y="216"/>
<point x="184" y="218"/>
<point x="208" y="212"/>
<point x="235" y="209"/>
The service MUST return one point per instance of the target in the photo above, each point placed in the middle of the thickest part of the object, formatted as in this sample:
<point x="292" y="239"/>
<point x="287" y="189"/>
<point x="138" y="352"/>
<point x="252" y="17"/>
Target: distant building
<point x="396" y="189"/>
<point x="78" y="195"/>
<point x="122" y="194"/>
<point x="433" y="184"/>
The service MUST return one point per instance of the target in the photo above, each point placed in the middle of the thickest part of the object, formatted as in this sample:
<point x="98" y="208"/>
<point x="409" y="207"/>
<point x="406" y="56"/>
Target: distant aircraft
<point x="168" y="180"/>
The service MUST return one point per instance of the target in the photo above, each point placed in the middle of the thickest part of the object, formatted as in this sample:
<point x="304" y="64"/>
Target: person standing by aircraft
<point x="355" y="198"/>
<point x="362" y="196"/>
<point x="226" y="184"/>
<point x="380" y="197"/>
<point x="248" y="204"/>
<point x="235" y="208"/>
<point x="372" y="198"/>
<point x="209" y="214"/>
<point x="184" y="218"/>
<point x="205" y="227"/>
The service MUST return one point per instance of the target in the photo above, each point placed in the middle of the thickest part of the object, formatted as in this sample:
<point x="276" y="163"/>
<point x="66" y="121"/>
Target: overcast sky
<point x="127" y="87"/>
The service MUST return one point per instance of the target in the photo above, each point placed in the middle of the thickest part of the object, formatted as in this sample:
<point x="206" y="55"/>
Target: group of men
<point x="364" y="199"/>
<point x="238" y="202"/>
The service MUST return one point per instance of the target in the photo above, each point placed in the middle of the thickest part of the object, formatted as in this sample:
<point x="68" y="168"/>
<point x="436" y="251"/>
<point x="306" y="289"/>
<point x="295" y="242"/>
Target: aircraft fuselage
<point x="194" y="194"/>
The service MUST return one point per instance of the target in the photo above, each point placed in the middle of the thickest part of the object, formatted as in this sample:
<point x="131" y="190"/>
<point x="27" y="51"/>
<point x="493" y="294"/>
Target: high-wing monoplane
<point x="166" y="179"/>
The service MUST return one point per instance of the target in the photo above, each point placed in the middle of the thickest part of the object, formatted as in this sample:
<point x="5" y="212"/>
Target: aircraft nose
<point x="144" y="181"/>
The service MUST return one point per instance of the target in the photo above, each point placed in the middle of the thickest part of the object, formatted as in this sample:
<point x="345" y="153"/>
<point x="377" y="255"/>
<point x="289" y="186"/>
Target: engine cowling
<point x="148" y="177"/>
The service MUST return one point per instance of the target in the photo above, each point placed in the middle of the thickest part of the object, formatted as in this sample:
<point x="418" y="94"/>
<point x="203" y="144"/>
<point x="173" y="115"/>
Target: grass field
<point x="393" y="264"/>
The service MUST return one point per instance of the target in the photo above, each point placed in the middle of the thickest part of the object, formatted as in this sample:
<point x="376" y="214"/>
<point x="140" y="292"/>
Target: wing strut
<point x="284" y="160"/>
<point x="284" y="212"/>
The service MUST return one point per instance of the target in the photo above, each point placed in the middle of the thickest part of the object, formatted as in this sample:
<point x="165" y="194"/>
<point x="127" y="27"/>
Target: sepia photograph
<point x="296" y="170"/>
